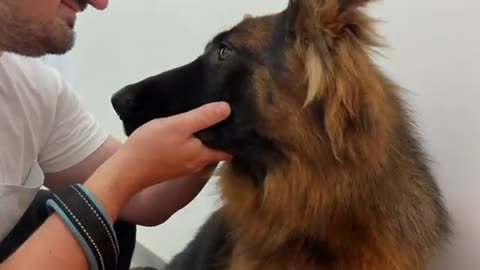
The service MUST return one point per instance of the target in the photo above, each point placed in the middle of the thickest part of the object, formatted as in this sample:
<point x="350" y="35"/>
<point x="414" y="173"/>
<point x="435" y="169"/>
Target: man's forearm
<point x="62" y="251"/>
<point x="157" y="204"/>
<point x="149" y="207"/>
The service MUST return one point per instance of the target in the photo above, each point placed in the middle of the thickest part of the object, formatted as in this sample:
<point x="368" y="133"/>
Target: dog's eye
<point x="224" y="52"/>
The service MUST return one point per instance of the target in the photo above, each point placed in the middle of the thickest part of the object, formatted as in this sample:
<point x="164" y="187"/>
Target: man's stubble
<point x="21" y="36"/>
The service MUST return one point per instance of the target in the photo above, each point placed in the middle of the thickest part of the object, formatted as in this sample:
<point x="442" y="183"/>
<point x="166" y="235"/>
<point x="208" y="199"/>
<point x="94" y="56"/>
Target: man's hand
<point x="169" y="196"/>
<point x="165" y="148"/>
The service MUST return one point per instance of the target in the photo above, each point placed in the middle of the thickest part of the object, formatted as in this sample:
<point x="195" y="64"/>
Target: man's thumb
<point x="203" y="117"/>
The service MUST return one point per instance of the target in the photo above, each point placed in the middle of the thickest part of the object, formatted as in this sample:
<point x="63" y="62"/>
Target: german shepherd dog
<point x="328" y="170"/>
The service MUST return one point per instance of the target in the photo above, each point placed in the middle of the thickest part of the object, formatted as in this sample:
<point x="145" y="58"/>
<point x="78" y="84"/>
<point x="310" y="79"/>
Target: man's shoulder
<point x="31" y="73"/>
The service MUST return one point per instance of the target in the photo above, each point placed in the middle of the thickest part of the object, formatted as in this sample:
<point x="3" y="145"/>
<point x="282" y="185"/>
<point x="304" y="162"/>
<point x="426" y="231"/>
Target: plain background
<point x="434" y="54"/>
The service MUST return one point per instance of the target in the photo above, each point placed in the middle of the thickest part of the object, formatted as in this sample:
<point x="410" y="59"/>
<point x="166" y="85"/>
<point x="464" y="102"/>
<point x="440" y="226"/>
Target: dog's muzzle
<point x="122" y="101"/>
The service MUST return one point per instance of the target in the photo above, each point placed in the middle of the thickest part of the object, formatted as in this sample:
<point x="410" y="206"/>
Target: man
<point x="48" y="139"/>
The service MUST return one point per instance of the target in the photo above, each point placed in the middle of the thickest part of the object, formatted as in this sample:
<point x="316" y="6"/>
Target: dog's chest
<point x="281" y="260"/>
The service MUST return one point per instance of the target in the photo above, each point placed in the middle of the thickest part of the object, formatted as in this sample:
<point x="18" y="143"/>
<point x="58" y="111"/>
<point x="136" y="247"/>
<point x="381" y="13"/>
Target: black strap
<point x="90" y="223"/>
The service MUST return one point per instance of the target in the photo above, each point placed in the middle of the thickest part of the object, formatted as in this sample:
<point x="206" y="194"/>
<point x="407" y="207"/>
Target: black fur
<point x="211" y="243"/>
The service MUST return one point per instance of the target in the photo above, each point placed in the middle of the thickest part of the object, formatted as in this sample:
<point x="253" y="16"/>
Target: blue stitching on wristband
<point x="52" y="206"/>
<point x="100" y="208"/>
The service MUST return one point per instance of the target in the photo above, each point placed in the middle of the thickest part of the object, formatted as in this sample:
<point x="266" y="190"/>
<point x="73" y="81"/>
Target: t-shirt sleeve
<point x="74" y="135"/>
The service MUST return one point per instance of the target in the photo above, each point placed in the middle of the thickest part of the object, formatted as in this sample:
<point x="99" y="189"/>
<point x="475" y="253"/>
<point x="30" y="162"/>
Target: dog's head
<point x="293" y="80"/>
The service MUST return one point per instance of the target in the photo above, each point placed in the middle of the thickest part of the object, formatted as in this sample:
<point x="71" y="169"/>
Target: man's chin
<point x="61" y="38"/>
<point x="35" y="39"/>
<point x="68" y="21"/>
<point x="56" y="40"/>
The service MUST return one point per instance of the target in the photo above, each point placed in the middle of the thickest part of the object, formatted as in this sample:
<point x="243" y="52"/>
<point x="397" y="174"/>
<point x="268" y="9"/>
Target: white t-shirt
<point x="43" y="128"/>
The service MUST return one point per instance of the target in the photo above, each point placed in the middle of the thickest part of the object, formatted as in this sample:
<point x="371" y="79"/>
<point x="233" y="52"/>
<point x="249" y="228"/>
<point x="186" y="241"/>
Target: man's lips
<point x="73" y="5"/>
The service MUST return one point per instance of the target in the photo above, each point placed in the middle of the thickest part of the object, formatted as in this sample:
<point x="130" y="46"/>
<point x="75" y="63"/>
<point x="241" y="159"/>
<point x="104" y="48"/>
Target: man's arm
<point x="80" y="172"/>
<point x="77" y="146"/>
<point x="142" y="162"/>
<point x="167" y="197"/>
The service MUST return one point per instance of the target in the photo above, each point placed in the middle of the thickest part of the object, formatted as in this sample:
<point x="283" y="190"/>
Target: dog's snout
<point x="122" y="101"/>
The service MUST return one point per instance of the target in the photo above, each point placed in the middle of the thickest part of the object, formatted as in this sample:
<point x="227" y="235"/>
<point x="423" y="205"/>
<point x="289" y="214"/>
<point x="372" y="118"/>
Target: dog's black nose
<point x="122" y="101"/>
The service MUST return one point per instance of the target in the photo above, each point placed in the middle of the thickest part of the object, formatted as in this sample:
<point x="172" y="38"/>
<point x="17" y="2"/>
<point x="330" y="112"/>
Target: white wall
<point x="434" y="54"/>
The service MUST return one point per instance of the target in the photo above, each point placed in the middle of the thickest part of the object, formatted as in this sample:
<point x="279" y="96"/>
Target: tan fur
<point x="354" y="176"/>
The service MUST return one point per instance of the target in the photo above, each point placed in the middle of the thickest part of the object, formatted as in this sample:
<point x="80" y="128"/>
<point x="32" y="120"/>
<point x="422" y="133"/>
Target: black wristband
<point x="85" y="217"/>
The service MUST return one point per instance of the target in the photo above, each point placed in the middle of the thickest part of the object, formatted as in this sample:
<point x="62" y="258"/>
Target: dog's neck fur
<point x="290" y="212"/>
<point x="318" y="207"/>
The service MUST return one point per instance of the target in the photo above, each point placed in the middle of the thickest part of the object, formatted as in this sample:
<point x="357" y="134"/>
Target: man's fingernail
<point x="222" y="109"/>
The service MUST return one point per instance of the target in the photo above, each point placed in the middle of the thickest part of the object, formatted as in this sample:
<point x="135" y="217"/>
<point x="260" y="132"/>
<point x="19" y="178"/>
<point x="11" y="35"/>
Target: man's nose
<point x="98" y="4"/>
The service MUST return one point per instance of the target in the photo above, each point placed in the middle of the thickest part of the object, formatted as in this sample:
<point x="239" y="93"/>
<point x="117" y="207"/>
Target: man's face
<point x="39" y="27"/>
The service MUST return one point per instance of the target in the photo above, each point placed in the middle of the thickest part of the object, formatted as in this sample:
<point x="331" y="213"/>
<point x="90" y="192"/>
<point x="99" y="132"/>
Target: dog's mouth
<point x="129" y="128"/>
<point x="133" y="121"/>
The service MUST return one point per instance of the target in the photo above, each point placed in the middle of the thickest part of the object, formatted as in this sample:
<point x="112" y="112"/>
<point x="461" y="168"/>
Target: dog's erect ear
<point x="332" y="38"/>
<point x="336" y="5"/>
<point x="346" y="4"/>
<point x="314" y="25"/>
<point x="308" y="18"/>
